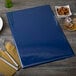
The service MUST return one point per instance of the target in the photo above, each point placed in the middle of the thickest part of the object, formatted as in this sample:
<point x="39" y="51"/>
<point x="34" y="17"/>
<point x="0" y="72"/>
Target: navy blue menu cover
<point x="38" y="36"/>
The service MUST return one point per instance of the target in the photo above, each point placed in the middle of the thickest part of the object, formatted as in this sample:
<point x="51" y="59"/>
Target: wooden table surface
<point x="66" y="67"/>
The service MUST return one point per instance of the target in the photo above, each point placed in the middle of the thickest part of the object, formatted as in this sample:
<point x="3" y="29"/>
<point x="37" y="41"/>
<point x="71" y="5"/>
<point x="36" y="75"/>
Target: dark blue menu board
<point x="38" y="36"/>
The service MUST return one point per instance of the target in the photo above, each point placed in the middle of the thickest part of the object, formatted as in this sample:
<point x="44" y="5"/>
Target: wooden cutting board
<point x="6" y="70"/>
<point x="6" y="57"/>
<point x="11" y="49"/>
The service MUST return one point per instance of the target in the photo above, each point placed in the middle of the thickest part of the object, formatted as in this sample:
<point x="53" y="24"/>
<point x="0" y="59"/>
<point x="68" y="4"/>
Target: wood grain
<point x="5" y="69"/>
<point x="66" y="67"/>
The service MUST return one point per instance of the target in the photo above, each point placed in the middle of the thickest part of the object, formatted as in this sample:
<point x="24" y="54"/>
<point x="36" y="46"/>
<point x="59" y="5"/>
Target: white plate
<point x="1" y="23"/>
<point x="63" y="16"/>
